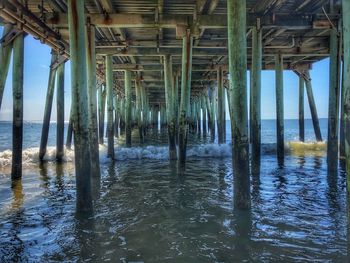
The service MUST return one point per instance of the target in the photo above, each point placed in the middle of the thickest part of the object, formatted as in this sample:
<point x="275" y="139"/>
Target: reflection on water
<point x="147" y="212"/>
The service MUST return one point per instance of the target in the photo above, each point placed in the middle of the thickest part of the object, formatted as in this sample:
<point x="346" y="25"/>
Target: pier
<point x="133" y="61"/>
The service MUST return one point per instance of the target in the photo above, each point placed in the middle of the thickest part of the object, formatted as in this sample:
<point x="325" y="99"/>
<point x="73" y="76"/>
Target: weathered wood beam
<point x="48" y="108"/>
<point x="92" y="93"/>
<point x="237" y="45"/>
<point x="80" y="108"/>
<point x="170" y="111"/>
<point x="279" y="109"/>
<point x="185" y="95"/>
<point x="209" y="52"/>
<point x="109" y="88"/>
<point x="333" y="105"/>
<point x="221" y="106"/>
<point x="301" y="109"/>
<point x="60" y="113"/>
<point x="255" y="100"/>
<point x="128" y="108"/>
<point x="5" y="57"/>
<point x="17" y="94"/>
<point x="120" y="20"/>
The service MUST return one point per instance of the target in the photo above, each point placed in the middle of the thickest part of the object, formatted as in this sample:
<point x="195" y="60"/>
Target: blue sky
<point x="36" y="71"/>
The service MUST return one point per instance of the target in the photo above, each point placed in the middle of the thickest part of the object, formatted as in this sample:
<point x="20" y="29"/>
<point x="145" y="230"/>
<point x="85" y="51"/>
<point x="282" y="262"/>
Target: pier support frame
<point x="187" y="43"/>
<point x="279" y="108"/>
<point x="333" y="105"/>
<point x="80" y="108"/>
<point x="109" y="88"/>
<point x="255" y="99"/>
<point x="170" y="106"/>
<point x="60" y="113"/>
<point x="5" y="57"/>
<point x="48" y="108"/>
<point x="301" y="109"/>
<point x="17" y="93"/>
<point x="312" y="106"/>
<point x="128" y="108"/>
<point x="237" y="45"/>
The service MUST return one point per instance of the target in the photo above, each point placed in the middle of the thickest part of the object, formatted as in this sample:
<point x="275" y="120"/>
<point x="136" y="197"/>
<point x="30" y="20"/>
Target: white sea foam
<point x="31" y="155"/>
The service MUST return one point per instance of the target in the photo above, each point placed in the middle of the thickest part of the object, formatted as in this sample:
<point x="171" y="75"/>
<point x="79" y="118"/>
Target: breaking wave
<point x="31" y="155"/>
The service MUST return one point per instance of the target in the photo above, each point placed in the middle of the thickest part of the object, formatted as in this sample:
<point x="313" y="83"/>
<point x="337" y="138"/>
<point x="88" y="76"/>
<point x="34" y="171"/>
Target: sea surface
<point x="144" y="211"/>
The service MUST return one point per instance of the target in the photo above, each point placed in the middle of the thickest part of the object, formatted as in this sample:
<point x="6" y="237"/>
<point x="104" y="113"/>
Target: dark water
<point x="146" y="212"/>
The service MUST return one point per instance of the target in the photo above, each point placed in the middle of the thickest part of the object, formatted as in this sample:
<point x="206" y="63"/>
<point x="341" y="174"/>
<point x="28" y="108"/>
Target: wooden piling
<point x="128" y="108"/>
<point x="204" y="114"/>
<point x="92" y="102"/>
<point x="69" y="132"/>
<point x="333" y="105"/>
<point x="221" y="106"/>
<point x="116" y="115"/>
<point x="346" y="99"/>
<point x="17" y="94"/>
<point x="110" y="109"/>
<point x="48" y="108"/>
<point x="5" y="57"/>
<point x="60" y="113"/>
<point x="101" y="113"/>
<point x="138" y="110"/>
<point x="80" y="109"/>
<point x="255" y="99"/>
<point x="187" y="43"/>
<point x="279" y="107"/>
<point x="313" y="108"/>
<point x="170" y="106"/>
<point x="237" y="56"/>
<point x="301" y="109"/>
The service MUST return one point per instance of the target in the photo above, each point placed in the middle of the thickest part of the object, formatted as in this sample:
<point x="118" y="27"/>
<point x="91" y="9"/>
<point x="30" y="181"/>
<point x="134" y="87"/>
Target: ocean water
<point x="144" y="211"/>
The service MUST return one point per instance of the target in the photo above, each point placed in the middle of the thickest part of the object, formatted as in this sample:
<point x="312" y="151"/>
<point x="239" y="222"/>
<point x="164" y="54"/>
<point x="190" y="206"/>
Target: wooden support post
<point x="176" y="103"/>
<point x="279" y="108"/>
<point x="5" y="57"/>
<point x="212" y="97"/>
<point x="122" y="115"/>
<point x="80" y="108"/>
<point x="204" y="114"/>
<point x="69" y="132"/>
<point x="17" y="93"/>
<point x="221" y="106"/>
<point x="109" y="86"/>
<point x="301" y="109"/>
<point x="60" y="113"/>
<point x="138" y="109"/>
<point x="92" y="93"/>
<point x="187" y="43"/>
<point x="237" y="51"/>
<point x="116" y="115"/>
<point x="333" y="105"/>
<point x="198" y="114"/>
<point x="313" y="109"/>
<point x="48" y="108"/>
<point x="255" y="99"/>
<point x="209" y="110"/>
<point x="128" y="108"/>
<point x="346" y="108"/>
<point x="101" y="113"/>
<point x="170" y="106"/>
